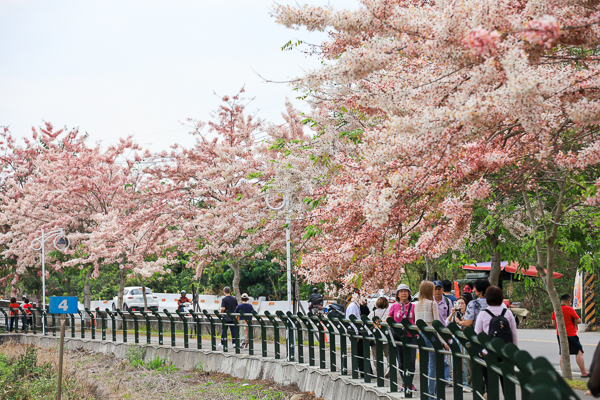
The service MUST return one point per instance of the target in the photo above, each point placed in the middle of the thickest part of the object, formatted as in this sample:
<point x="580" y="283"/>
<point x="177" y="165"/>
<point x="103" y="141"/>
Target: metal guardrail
<point x="509" y="370"/>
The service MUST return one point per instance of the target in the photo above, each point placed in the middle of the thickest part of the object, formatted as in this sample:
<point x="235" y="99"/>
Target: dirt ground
<point x="98" y="376"/>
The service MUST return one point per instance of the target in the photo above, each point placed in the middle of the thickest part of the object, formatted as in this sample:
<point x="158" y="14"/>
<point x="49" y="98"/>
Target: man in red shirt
<point x="571" y="321"/>
<point x="14" y="315"/>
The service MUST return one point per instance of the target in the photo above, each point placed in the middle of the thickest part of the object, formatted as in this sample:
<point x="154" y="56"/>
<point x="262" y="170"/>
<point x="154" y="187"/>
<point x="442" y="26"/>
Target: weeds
<point x="136" y="354"/>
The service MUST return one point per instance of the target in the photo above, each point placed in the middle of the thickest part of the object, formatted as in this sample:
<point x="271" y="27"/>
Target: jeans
<point x="410" y="362"/>
<point x="431" y="387"/>
<point x="14" y="323"/>
<point x="228" y="325"/>
<point x="447" y="369"/>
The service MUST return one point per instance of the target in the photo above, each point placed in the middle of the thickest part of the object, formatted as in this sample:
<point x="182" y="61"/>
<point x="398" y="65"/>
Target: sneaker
<point x="467" y="390"/>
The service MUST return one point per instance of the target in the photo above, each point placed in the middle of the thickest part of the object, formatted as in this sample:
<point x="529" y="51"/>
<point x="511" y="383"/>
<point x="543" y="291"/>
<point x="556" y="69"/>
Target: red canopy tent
<point x="511" y="268"/>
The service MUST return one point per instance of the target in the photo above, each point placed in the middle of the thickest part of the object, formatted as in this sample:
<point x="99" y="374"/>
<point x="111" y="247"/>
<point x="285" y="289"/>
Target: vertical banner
<point x="456" y="289"/>
<point x="589" y="314"/>
<point x="577" y="295"/>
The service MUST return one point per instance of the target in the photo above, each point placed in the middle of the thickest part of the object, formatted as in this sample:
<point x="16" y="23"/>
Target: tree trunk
<point x="550" y="234"/>
<point x="144" y="294"/>
<point x="236" y="280"/>
<point x="87" y="293"/>
<point x="496" y="260"/>
<point x="122" y="277"/>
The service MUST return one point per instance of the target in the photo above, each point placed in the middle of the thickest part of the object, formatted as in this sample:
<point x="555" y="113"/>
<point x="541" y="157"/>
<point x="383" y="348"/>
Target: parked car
<point x="133" y="299"/>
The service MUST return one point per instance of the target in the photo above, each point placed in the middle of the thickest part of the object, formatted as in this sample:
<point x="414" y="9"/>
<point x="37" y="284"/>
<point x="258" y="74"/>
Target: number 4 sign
<point x="63" y="305"/>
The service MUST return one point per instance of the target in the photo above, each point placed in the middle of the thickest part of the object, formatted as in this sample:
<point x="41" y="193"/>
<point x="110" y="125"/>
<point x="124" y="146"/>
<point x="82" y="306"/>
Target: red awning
<point x="512" y="268"/>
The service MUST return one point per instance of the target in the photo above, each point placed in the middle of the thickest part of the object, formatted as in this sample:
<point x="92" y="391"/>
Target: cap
<point x="245" y="296"/>
<point x="437" y="284"/>
<point x="404" y="286"/>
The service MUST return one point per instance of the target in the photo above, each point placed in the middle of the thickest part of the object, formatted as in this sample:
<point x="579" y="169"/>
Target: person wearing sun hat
<point x="403" y="308"/>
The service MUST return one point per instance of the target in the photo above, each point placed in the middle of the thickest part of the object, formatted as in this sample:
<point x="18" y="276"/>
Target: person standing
<point x="445" y="307"/>
<point x="571" y="320"/>
<point x="356" y="309"/>
<point x="474" y="307"/>
<point x="381" y="312"/>
<point x="493" y="321"/>
<point x="14" y="315"/>
<point x="228" y="303"/>
<point x="457" y="315"/>
<point x="247" y="309"/>
<point x="468" y="293"/>
<point x="27" y="317"/>
<point x="403" y="308"/>
<point x="427" y="311"/>
<point x="447" y="285"/>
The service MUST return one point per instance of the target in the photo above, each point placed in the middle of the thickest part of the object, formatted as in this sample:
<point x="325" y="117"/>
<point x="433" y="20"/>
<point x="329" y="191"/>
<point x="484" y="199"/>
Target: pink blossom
<point x="481" y="41"/>
<point x="542" y="32"/>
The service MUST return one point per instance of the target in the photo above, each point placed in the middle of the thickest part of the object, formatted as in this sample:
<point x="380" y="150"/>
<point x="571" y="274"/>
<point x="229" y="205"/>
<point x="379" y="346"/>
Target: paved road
<point x="543" y="342"/>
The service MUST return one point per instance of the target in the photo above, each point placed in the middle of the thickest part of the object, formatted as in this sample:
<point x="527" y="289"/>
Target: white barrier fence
<point x="209" y="303"/>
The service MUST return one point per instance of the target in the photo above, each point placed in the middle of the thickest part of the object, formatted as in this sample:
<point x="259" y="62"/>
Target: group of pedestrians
<point x="26" y="318"/>
<point x="484" y="312"/>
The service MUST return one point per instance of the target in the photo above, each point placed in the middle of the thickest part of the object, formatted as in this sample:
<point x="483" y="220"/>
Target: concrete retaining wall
<point x="330" y="386"/>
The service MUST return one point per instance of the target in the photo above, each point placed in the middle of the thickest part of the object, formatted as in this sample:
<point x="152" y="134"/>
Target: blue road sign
<point x="63" y="305"/>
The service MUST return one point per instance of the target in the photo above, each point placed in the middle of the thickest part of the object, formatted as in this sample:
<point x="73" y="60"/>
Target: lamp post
<point x="39" y="244"/>
<point x="286" y="204"/>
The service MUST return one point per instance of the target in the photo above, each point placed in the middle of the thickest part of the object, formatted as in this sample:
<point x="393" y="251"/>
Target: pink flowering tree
<point x="449" y="102"/>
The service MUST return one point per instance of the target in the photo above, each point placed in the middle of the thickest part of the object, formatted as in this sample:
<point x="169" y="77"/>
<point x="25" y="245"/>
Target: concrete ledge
<point x="330" y="386"/>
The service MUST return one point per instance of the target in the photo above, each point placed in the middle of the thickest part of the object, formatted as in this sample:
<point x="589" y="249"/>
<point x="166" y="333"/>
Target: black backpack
<point x="500" y="327"/>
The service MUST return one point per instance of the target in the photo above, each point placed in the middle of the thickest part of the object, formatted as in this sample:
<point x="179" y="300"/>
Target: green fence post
<point x="299" y="339"/>
<point x="311" y="338"/>
<point x="432" y="336"/>
<point x="394" y="349"/>
<point x="275" y="333"/>
<point x="92" y="323"/>
<point x="114" y="324"/>
<point x="168" y="314"/>
<point x="124" y="323"/>
<point x="336" y="322"/>
<point x="332" y="347"/>
<point x="469" y="341"/>
<point x="290" y="335"/>
<point x="33" y="322"/>
<point x="236" y="334"/>
<point x="223" y="324"/>
<point x="136" y="326"/>
<point x="102" y="322"/>
<point x="72" y="325"/>
<point x="198" y="329"/>
<point x="362" y="330"/>
<point x="160" y="325"/>
<point x="148" y="327"/>
<point x="353" y="337"/>
<point x="213" y="339"/>
<point x="82" y="318"/>
<point x="375" y="327"/>
<point x="321" y="331"/>
<point x="247" y="318"/>
<point x="263" y="333"/>
<point x="457" y="370"/>
<point x="186" y="344"/>
<point x="53" y="324"/>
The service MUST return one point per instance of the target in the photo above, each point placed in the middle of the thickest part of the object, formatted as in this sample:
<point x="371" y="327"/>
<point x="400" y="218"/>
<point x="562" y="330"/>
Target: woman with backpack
<point x="497" y="321"/>
<point x="403" y="308"/>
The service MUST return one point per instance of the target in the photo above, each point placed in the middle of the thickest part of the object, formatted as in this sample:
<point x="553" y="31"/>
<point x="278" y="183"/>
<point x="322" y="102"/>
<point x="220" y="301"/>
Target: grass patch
<point x="577" y="385"/>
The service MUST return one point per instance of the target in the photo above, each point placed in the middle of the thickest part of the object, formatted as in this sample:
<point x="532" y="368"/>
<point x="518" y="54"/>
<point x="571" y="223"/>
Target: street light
<point x="60" y="242"/>
<point x="286" y="204"/>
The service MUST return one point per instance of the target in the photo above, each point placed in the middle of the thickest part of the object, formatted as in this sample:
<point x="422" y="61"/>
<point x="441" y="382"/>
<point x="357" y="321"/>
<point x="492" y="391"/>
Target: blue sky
<point x="140" y="67"/>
